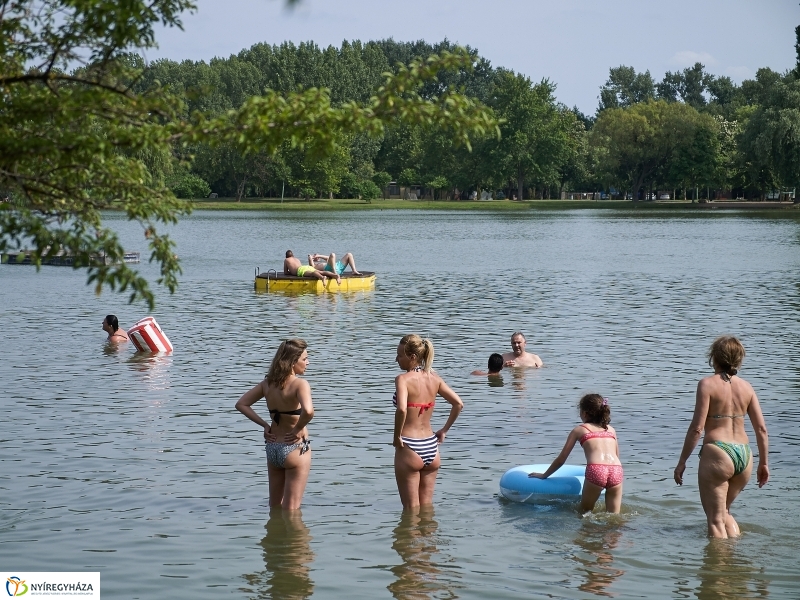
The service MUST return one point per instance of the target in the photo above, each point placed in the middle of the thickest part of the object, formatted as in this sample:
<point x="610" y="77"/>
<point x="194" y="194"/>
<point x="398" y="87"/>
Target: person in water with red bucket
<point x="111" y="327"/>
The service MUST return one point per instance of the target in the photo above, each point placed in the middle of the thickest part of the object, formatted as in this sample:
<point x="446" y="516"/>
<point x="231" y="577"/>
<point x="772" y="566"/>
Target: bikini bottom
<point x="740" y="454"/>
<point x="604" y="476"/>
<point x="426" y="448"/>
<point x="278" y="451"/>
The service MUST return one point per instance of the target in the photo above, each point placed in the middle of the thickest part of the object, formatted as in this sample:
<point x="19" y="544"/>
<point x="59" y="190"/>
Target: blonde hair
<point x="288" y="353"/>
<point x="421" y="348"/>
<point x="727" y="353"/>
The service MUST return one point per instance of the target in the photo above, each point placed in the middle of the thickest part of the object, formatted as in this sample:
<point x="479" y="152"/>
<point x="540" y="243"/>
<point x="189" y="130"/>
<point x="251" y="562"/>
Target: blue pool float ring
<point x="566" y="483"/>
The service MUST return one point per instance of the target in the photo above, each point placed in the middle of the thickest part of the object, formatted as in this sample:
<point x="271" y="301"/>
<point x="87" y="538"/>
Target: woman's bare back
<point x="422" y="388"/>
<point x="729" y="399"/>
<point x="283" y="400"/>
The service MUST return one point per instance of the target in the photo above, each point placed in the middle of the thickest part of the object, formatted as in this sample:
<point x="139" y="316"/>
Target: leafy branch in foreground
<point x="73" y="144"/>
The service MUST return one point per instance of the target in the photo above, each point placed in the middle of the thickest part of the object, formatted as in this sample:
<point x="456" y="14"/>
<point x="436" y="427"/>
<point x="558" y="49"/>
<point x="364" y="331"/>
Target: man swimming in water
<point x="293" y="266"/>
<point x="328" y="262"/>
<point x="111" y="327"/>
<point x="518" y="357"/>
<point x="495" y="366"/>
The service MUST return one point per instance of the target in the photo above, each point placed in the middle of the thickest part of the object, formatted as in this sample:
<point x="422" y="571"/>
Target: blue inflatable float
<point x="566" y="483"/>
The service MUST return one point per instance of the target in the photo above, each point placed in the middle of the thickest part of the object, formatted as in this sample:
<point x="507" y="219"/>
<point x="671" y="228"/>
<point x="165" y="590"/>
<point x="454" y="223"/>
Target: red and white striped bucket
<point x="147" y="336"/>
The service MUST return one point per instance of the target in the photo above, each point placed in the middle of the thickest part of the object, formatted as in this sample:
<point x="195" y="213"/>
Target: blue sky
<point x="571" y="42"/>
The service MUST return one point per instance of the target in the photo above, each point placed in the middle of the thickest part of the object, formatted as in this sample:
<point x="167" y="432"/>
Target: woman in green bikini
<point x="726" y="461"/>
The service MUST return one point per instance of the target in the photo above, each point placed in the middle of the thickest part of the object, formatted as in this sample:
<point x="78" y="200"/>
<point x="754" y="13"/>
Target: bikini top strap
<point x="276" y="414"/>
<point x="422" y="407"/>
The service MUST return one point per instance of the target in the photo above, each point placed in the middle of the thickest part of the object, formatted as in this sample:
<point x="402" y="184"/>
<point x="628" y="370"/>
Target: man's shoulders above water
<point x="525" y="360"/>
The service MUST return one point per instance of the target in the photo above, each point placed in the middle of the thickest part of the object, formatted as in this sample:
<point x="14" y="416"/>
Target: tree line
<point x="690" y="135"/>
<point x="85" y="126"/>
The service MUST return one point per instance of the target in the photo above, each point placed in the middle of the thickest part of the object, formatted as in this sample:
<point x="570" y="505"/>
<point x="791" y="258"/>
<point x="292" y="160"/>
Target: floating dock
<point x="24" y="257"/>
<point x="271" y="281"/>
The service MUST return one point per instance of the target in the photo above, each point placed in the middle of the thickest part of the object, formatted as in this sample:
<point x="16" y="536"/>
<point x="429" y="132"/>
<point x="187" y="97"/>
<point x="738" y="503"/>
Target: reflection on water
<point x="728" y="574"/>
<point x="595" y="543"/>
<point x="110" y="349"/>
<point x="518" y="380"/>
<point x="494" y="380"/>
<point x="152" y="368"/>
<point x="421" y="574"/>
<point x="287" y="559"/>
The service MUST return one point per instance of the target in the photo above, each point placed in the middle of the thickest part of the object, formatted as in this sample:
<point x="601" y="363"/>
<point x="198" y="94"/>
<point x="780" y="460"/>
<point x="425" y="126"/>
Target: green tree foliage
<point x="382" y="179"/>
<point x="438" y="183"/>
<point x="796" y="70"/>
<point x="190" y="186"/>
<point x="626" y="87"/>
<point x="745" y="137"/>
<point x="370" y="191"/>
<point x="408" y="177"/>
<point x="73" y="143"/>
<point x="535" y="133"/>
<point x="640" y="142"/>
<point x="770" y="141"/>
<point x="688" y="85"/>
<point x="698" y="159"/>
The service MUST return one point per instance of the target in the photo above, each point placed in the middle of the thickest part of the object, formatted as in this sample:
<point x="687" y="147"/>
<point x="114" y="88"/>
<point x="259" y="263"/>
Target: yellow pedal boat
<point x="271" y="281"/>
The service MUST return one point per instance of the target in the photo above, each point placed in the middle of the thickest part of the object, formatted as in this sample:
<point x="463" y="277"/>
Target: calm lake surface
<point x="140" y="468"/>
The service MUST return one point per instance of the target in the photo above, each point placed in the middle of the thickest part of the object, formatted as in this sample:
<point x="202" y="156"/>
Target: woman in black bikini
<point x="416" y="457"/>
<point x="286" y="438"/>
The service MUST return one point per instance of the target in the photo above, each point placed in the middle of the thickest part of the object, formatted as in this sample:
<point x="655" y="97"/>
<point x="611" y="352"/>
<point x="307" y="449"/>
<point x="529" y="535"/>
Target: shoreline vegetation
<point x="300" y="204"/>
<point x="375" y="119"/>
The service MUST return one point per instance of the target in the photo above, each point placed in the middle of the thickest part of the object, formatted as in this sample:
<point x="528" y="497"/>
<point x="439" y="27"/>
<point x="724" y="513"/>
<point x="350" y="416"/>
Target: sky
<point x="573" y="43"/>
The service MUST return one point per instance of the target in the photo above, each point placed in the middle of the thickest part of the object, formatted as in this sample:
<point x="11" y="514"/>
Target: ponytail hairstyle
<point x="727" y="353"/>
<point x="421" y="348"/>
<point x="113" y="322"/>
<point x="288" y="353"/>
<point x="596" y="409"/>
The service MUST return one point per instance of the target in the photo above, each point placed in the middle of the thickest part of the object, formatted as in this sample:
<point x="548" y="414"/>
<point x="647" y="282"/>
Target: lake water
<point x="140" y="468"/>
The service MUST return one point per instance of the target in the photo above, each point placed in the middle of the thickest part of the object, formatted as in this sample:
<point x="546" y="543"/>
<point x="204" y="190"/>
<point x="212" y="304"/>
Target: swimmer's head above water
<point x="110" y="324"/>
<point x="518" y="342"/>
<point x="495" y="364"/>
<point x="111" y="327"/>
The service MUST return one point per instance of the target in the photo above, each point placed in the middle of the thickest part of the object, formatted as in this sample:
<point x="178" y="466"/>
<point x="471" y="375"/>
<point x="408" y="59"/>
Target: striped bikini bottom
<point x="426" y="448"/>
<point x="740" y="454"/>
<point x="278" y="451"/>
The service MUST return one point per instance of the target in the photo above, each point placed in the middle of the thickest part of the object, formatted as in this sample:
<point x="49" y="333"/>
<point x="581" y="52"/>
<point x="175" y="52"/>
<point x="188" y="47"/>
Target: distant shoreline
<point x="295" y="204"/>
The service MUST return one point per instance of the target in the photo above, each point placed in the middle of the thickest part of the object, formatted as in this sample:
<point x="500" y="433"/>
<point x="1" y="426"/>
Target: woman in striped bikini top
<point x="416" y="460"/>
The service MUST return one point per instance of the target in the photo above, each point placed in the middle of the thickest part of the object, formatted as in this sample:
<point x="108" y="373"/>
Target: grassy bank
<point x="493" y="205"/>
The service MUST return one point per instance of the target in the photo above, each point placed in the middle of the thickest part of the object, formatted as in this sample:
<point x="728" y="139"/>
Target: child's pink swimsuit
<point x="605" y="476"/>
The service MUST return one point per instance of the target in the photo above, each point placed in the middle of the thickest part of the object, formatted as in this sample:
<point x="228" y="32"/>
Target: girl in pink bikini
<point x="599" y="442"/>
